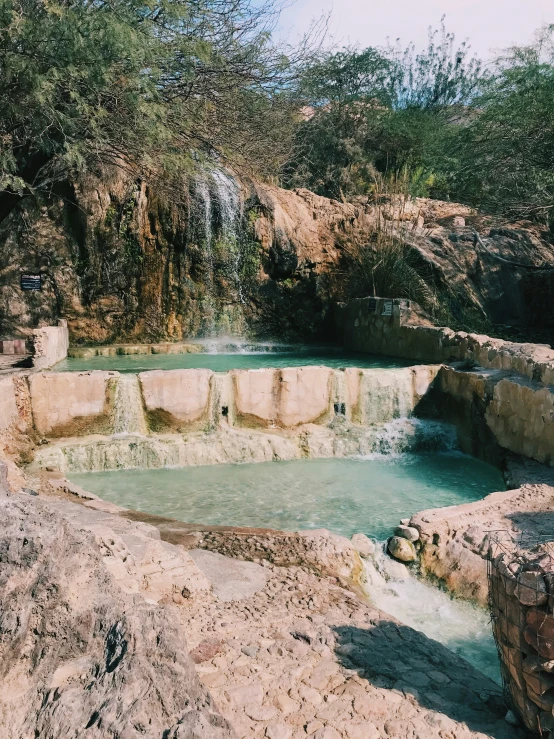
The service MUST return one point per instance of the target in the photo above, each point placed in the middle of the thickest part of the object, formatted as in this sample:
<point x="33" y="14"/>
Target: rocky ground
<point x="303" y="657"/>
<point x="456" y="540"/>
<point x="287" y="651"/>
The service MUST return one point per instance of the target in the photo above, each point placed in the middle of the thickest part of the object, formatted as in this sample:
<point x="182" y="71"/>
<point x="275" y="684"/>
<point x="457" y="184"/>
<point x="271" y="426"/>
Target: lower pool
<point x="366" y="495"/>
<point x="369" y="495"/>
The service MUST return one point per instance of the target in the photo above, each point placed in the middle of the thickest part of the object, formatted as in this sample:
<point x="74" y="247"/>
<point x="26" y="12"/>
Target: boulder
<point x="72" y="662"/>
<point x="402" y="549"/>
<point x="407" y="532"/>
<point x="531" y="588"/>
<point x="363" y="545"/>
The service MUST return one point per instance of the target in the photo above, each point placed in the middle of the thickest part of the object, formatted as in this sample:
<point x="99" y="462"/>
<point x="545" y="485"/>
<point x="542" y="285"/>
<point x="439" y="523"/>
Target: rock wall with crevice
<point x="124" y="262"/>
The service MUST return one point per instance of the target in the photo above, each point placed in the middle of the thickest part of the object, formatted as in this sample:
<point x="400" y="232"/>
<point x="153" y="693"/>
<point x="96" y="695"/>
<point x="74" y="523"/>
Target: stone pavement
<point x="302" y="657"/>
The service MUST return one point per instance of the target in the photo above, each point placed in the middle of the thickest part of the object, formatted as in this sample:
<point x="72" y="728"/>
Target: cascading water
<point x="459" y="625"/>
<point x="227" y="194"/>
<point x="129" y="412"/>
<point x="218" y="208"/>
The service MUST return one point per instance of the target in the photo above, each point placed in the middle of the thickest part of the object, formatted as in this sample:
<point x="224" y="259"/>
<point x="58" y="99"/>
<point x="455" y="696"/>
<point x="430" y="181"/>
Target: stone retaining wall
<point x="406" y="333"/>
<point x="500" y="395"/>
<point x="82" y="403"/>
<point x="521" y="585"/>
<point x="51" y="345"/>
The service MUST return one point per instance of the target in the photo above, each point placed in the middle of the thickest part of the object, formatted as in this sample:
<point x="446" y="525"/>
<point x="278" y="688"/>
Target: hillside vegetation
<point x="123" y="121"/>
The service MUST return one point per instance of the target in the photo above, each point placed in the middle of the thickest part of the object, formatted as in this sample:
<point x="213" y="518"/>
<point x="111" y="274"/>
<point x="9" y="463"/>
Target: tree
<point x="146" y="84"/>
<point x="379" y="111"/>
<point x="504" y="156"/>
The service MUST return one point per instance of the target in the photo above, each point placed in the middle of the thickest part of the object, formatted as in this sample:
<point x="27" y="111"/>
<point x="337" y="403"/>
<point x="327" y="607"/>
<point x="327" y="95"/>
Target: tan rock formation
<point x="105" y="663"/>
<point x="142" y="274"/>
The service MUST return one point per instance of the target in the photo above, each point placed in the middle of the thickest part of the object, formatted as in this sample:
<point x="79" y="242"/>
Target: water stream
<point x="129" y="412"/>
<point x="459" y="625"/>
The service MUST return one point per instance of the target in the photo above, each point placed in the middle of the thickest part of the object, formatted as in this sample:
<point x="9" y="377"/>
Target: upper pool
<point x="225" y="361"/>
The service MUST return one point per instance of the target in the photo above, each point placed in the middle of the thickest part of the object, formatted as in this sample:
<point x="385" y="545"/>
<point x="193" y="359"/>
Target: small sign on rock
<point x="387" y="308"/>
<point x="30" y="282"/>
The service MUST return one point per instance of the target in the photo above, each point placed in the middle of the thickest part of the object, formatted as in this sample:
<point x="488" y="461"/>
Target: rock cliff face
<point x="122" y="262"/>
<point x="77" y="654"/>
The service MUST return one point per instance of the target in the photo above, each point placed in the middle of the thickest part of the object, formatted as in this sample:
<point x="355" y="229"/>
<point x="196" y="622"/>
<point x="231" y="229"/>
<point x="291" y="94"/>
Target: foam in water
<point x="459" y="625"/>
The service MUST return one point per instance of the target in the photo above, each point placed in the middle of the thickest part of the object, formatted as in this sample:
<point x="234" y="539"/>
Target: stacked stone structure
<point x="521" y="591"/>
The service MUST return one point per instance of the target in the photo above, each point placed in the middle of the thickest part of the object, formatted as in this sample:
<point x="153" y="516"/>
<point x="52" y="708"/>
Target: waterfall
<point x="459" y="625"/>
<point x="218" y="211"/>
<point x="129" y="412"/>
<point x="227" y="195"/>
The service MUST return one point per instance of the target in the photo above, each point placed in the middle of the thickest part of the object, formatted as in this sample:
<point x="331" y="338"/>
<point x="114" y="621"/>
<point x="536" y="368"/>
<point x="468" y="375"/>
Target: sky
<point x="488" y="24"/>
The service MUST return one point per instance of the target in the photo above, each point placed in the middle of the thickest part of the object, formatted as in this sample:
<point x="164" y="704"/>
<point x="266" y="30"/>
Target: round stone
<point x="402" y="549"/>
<point x="407" y="532"/>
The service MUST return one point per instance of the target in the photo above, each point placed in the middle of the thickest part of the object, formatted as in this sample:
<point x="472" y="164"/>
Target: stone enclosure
<point x="499" y="394"/>
<point x="72" y="403"/>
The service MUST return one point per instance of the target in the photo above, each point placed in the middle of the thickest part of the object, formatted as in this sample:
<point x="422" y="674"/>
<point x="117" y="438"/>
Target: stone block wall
<point x="176" y="399"/>
<point x="72" y="403"/>
<point x="13" y="346"/>
<point x="406" y="333"/>
<point x="51" y="345"/>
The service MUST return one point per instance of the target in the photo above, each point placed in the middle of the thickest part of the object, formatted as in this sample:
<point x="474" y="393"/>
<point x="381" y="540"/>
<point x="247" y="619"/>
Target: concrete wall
<point x="51" y="345"/>
<point x="8" y="407"/>
<point x="176" y="398"/>
<point x="288" y="397"/>
<point x="72" y="403"/>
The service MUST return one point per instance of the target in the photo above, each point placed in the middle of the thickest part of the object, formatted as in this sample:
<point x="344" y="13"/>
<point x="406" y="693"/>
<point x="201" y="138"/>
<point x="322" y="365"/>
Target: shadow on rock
<point x="396" y="657"/>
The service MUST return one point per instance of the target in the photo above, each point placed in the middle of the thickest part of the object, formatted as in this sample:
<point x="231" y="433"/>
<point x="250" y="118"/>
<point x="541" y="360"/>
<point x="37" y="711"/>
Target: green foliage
<point x="378" y="111"/>
<point x="387" y="265"/>
<point x="436" y="120"/>
<point x="503" y="159"/>
<point x="137" y="83"/>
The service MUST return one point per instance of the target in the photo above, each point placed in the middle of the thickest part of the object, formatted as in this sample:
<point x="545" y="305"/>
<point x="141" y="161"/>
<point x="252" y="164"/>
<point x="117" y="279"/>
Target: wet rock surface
<point x="402" y="549"/>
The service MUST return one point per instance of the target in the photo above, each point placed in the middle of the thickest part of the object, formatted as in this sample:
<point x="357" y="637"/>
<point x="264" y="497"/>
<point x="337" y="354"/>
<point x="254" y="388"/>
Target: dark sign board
<point x="372" y="305"/>
<point x="31" y="282"/>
